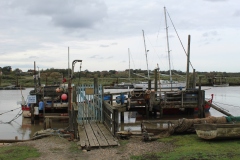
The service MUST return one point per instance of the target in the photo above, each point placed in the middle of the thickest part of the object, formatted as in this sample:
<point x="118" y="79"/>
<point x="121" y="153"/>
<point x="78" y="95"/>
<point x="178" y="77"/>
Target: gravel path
<point x="52" y="148"/>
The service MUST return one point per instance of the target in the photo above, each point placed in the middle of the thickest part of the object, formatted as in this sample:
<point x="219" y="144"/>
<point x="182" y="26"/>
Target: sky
<point x="108" y="34"/>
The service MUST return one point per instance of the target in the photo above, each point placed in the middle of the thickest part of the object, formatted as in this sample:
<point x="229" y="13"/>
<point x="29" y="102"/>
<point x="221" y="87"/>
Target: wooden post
<point x="149" y="84"/>
<point x="96" y="86"/>
<point x="201" y="99"/>
<point x="122" y="117"/>
<point x="70" y="103"/>
<point x="115" y="121"/>
<point x="73" y="113"/>
<point x="194" y="79"/>
<point x="155" y="81"/>
<point x="188" y="60"/>
<point x="32" y="113"/>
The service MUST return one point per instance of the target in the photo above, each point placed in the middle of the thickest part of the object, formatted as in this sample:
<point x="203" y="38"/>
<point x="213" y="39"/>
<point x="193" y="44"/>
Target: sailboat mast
<point x="170" y="70"/>
<point x="145" y="53"/>
<point x="129" y="64"/>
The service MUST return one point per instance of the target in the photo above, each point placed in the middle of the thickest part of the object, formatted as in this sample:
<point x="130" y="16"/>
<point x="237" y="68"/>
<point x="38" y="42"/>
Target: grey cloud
<point x="215" y="0"/>
<point x="104" y="45"/>
<point x="212" y="33"/>
<point x="96" y="57"/>
<point x="110" y="57"/>
<point x="33" y="57"/>
<point x="236" y="13"/>
<point x="71" y="13"/>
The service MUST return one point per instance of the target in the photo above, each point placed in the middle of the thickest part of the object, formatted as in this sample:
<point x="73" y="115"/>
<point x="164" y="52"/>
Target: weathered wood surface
<point x="217" y="131"/>
<point x="94" y="135"/>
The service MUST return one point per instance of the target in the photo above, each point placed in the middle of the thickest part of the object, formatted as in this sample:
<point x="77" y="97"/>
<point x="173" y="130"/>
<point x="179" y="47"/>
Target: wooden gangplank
<point x="95" y="135"/>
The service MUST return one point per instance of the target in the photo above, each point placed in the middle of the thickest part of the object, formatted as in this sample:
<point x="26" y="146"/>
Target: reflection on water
<point x="20" y="127"/>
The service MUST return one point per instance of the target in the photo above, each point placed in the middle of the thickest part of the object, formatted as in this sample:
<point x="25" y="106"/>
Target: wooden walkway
<point x="94" y="135"/>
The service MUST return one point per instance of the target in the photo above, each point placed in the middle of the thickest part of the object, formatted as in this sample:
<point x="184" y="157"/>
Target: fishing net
<point x="233" y="119"/>
<point x="185" y="125"/>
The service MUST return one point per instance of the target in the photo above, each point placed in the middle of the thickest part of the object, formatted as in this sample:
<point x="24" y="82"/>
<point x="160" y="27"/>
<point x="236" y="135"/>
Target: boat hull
<point x="217" y="131"/>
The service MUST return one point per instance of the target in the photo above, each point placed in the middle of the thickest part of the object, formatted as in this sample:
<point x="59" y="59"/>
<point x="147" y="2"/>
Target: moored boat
<point x="230" y="129"/>
<point x="46" y="99"/>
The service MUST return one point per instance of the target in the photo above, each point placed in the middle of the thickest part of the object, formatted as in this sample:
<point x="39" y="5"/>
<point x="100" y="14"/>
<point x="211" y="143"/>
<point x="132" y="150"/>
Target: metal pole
<point x="170" y="70"/>
<point x="146" y="53"/>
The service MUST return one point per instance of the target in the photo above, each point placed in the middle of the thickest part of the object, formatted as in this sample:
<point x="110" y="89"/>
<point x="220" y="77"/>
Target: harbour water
<point x="12" y="124"/>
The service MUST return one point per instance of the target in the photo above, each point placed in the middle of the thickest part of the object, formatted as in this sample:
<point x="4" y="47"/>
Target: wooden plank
<point x="91" y="137"/>
<point x="110" y="139"/>
<point x="83" y="137"/>
<point x="99" y="135"/>
<point x="56" y="116"/>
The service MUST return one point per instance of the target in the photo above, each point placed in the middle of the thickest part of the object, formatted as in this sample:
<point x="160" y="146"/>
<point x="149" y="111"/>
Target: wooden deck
<point x="95" y="135"/>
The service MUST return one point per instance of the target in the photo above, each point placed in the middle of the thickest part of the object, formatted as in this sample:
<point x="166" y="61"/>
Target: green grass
<point x="190" y="147"/>
<point x="18" y="152"/>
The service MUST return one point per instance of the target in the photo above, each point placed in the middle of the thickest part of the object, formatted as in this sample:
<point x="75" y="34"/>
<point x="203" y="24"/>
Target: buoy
<point x="64" y="96"/>
<point x="58" y="90"/>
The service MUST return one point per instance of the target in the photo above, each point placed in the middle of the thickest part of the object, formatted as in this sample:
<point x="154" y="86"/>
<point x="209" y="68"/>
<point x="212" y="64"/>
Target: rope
<point x="10" y="111"/>
<point x="16" y="117"/>
<point x="227" y="104"/>
<point x="179" y="38"/>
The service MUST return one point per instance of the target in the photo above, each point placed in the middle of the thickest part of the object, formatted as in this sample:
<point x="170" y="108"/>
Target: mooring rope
<point x="10" y="110"/>
<point x="16" y="116"/>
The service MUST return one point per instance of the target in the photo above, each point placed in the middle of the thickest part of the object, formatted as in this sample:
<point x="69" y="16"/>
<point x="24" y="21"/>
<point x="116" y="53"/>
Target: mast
<point x="170" y="70"/>
<point x="146" y="53"/>
<point x="68" y="64"/>
<point x="129" y="64"/>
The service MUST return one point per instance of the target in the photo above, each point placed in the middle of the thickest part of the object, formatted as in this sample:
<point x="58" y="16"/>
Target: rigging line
<point x="179" y="38"/>
<point x="9" y="111"/>
<point x="153" y="47"/>
<point x="227" y="104"/>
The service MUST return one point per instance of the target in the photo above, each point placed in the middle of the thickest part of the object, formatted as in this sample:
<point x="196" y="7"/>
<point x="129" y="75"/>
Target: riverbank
<point x="174" y="147"/>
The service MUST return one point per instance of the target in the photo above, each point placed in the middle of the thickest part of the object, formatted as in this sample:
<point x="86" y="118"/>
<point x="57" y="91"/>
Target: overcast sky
<point x="100" y="32"/>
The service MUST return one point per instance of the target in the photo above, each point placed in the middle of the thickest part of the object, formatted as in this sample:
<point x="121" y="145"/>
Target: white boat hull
<point x="144" y="85"/>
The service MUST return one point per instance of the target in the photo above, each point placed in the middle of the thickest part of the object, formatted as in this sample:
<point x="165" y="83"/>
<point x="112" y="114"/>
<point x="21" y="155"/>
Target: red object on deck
<point x="206" y="107"/>
<point x="25" y="108"/>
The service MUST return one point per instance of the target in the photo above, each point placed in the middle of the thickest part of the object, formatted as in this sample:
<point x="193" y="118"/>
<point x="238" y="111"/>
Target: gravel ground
<point x="52" y="148"/>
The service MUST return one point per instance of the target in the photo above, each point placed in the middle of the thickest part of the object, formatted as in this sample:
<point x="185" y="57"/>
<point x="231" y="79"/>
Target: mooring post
<point x="32" y="113"/>
<point x="201" y="99"/>
<point x="122" y="117"/>
<point x="70" y="103"/>
<point x="115" y="121"/>
<point x="74" y="113"/>
<point x="188" y="60"/>
<point x="95" y="86"/>
<point x="155" y="81"/>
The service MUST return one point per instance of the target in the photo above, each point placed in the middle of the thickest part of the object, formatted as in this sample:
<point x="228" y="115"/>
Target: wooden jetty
<point x="95" y="135"/>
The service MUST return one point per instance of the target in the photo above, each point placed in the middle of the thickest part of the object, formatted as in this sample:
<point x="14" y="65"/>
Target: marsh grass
<point x="18" y="152"/>
<point x="190" y="147"/>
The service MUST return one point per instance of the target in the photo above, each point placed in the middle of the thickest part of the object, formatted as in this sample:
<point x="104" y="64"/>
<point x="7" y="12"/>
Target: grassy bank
<point x="190" y="147"/>
<point x="182" y="147"/>
<point x="14" y="152"/>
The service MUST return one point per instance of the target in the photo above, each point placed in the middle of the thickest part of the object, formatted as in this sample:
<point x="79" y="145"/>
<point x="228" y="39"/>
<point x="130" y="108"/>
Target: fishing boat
<point x="164" y="84"/>
<point x="220" y="82"/>
<point x="218" y="131"/>
<point x="46" y="99"/>
<point x="229" y="129"/>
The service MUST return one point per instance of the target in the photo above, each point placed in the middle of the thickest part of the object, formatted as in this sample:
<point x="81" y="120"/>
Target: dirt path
<point x="52" y="148"/>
